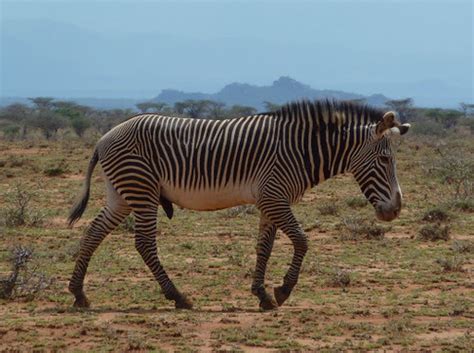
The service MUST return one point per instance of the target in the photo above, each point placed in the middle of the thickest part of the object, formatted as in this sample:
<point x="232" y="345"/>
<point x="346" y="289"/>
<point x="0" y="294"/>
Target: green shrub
<point x="462" y="246"/>
<point x="436" y="214"/>
<point x="57" y="169"/>
<point x="451" y="264"/>
<point x="240" y="211"/>
<point x="464" y="205"/>
<point x="328" y="209"/>
<point x="357" y="228"/>
<point x="429" y="128"/>
<point x="23" y="281"/>
<point x="18" y="210"/>
<point x="356" y="202"/>
<point x="433" y="232"/>
<point x="339" y="278"/>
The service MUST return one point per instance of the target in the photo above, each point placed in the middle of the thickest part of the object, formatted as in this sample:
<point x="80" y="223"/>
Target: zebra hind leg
<point x="266" y="238"/>
<point x="106" y="221"/>
<point x="145" y="243"/>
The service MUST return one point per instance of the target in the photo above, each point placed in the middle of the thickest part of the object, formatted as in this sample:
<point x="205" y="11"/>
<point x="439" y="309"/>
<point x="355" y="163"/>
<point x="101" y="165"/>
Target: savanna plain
<point x="365" y="285"/>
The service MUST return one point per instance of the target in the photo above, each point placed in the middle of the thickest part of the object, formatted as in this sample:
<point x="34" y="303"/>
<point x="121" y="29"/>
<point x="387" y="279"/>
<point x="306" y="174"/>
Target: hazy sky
<point x="398" y="48"/>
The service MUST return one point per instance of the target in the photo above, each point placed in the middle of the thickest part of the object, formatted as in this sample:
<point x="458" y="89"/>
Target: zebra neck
<point x="332" y="150"/>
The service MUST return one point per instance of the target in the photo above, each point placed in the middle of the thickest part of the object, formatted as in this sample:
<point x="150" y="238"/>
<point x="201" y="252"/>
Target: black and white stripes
<point x="268" y="159"/>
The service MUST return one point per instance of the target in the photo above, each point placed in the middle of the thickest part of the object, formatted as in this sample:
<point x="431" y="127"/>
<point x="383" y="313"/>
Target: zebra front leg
<point x="106" y="221"/>
<point x="264" y="248"/>
<point x="280" y="213"/>
<point x="145" y="243"/>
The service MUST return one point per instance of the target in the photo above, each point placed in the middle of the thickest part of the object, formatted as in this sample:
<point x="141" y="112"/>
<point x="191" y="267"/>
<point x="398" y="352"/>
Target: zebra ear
<point x="387" y="122"/>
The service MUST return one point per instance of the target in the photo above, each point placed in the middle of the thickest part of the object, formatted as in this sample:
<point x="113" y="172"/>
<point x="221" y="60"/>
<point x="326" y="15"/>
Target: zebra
<point x="268" y="160"/>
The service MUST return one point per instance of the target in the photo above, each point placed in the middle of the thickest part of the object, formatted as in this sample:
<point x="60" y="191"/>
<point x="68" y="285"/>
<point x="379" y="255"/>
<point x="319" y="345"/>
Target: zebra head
<point x="373" y="166"/>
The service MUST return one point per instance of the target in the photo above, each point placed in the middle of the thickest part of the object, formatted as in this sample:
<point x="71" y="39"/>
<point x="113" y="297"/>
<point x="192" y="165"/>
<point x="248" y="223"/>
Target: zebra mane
<point x="330" y="111"/>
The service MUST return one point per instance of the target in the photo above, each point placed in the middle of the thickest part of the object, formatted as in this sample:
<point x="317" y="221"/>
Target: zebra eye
<point x="384" y="159"/>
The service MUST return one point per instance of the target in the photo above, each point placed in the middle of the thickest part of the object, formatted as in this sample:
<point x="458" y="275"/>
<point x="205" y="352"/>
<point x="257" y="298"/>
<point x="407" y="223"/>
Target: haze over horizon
<point x="129" y="49"/>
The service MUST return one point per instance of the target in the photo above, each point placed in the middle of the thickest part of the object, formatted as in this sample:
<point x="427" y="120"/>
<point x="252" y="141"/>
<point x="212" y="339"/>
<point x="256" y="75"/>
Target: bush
<point x="465" y="205"/>
<point x="339" y="278"/>
<point x="462" y="246"/>
<point x="23" y="281"/>
<point x="436" y="215"/>
<point x="356" y="202"/>
<point x="328" y="209"/>
<point x="433" y="232"/>
<point x="455" y="170"/>
<point x="357" y="228"/>
<point x="56" y="170"/>
<point x="451" y="264"/>
<point x="429" y="128"/>
<point x="19" y="212"/>
<point x="240" y="211"/>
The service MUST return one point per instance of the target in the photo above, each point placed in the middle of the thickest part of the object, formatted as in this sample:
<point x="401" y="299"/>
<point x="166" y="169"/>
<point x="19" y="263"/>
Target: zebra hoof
<point x="183" y="303"/>
<point x="281" y="294"/>
<point x="82" y="302"/>
<point x="268" y="304"/>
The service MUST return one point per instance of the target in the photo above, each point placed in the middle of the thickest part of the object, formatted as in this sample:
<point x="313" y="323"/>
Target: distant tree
<point x="144" y="106"/>
<point x="448" y="118"/>
<point x="11" y="131"/>
<point x="216" y="110"/>
<point x="20" y="115"/>
<point x="159" y="107"/>
<point x="404" y="108"/>
<point x="179" y="107"/>
<point x="49" y="123"/>
<point x="467" y="109"/>
<point x="80" y="124"/>
<point x="271" y="107"/>
<point x="193" y="108"/>
<point x="241" y="110"/>
<point x="76" y="114"/>
<point x="42" y="103"/>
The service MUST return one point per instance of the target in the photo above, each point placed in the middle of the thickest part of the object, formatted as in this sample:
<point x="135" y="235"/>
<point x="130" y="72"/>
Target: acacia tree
<point x="404" y="108"/>
<point x="42" y="103"/>
<point x="216" y="110"/>
<point x="193" y="108"/>
<point x="19" y="115"/>
<point x="49" y="122"/>
<point x="241" y="110"/>
<point x="78" y="115"/>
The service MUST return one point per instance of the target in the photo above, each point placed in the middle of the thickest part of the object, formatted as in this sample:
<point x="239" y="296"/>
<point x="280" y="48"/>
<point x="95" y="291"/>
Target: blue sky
<point x="399" y="48"/>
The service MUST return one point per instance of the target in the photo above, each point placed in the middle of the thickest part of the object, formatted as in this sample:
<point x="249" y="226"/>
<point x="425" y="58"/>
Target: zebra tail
<point x="81" y="204"/>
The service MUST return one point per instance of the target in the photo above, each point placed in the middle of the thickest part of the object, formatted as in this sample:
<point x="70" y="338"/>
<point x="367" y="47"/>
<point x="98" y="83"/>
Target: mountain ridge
<point x="282" y="90"/>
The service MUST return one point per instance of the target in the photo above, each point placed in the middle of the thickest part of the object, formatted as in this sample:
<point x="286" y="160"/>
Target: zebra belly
<point x="209" y="200"/>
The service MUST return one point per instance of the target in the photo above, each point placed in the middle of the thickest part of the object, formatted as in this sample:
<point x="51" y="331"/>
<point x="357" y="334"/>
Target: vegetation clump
<point x="433" y="232"/>
<point x="451" y="264"/>
<point x="356" y="202"/>
<point x="23" y="281"/>
<point x="18" y="211"/>
<point x="240" y="211"/>
<point x="328" y="209"/>
<point x="436" y="214"/>
<point x="462" y="246"/>
<point x="357" y="228"/>
<point x="340" y="278"/>
<point x="57" y="169"/>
